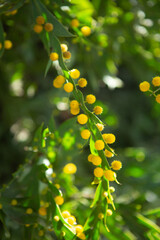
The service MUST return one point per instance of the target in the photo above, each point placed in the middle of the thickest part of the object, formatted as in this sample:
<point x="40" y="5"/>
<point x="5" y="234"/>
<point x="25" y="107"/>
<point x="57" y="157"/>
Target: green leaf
<point x="10" y="5"/>
<point x="97" y="194"/>
<point x="49" y="64"/>
<point x="92" y="147"/>
<point x="148" y="223"/>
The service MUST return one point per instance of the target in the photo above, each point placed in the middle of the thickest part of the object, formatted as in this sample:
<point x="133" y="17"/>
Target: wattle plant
<point x="33" y="199"/>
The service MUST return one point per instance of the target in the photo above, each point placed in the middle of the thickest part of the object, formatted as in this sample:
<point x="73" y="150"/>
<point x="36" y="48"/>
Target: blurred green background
<point x="122" y="51"/>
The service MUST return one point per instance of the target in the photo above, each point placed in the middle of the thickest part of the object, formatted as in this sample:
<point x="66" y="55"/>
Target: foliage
<point x="121" y="33"/>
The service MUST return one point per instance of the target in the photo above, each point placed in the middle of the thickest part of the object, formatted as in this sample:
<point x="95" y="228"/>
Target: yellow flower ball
<point x="158" y="98"/>
<point x="70" y="168"/>
<point x="98" y="110"/>
<point x="68" y="87"/>
<point x="86" y="31"/>
<point x="75" y="111"/>
<point x="64" y="47"/>
<point x="100" y="216"/>
<point x="99" y="145"/>
<point x="58" y="81"/>
<point x="14" y="202"/>
<point x="109" y="138"/>
<point x="82" y="119"/>
<point x="40" y="20"/>
<point x="98" y="172"/>
<point x="67" y="55"/>
<point x="85" y="134"/>
<point x="71" y="220"/>
<point x="82" y="236"/>
<point x="90" y="99"/>
<point x="144" y="86"/>
<point x="48" y="27"/>
<point x="156" y="81"/>
<point x="42" y="211"/>
<point x="116" y="165"/>
<point x="59" y="200"/>
<point x="79" y="228"/>
<point x="112" y="189"/>
<point x="40" y="233"/>
<point x="74" y="23"/>
<point x="105" y="194"/>
<point x="109" y="212"/>
<point x="66" y="214"/>
<point x="74" y="73"/>
<point x="82" y="82"/>
<point x="110" y="175"/>
<point x="37" y="28"/>
<point x="74" y="104"/>
<point x="100" y="126"/>
<point x="7" y="44"/>
<point x="90" y="157"/>
<point x="96" y="160"/>
<point x="56" y="218"/>
<point x="108" y="153"/>
<point x="54" y="56"/>
<point x="29" y="211"/>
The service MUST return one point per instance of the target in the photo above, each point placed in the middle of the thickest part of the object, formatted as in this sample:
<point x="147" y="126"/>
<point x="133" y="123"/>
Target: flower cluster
<point x="146" y="87"/>
<point x="40" y="24"/>
<point x="85" y="30"/>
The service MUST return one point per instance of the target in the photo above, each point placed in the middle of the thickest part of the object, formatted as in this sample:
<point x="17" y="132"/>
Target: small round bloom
<point x="109" y="138"/>
<point x="90" y="157"/>
<point x="54" y="56"/>
<point x="98" y="110"/>
<point x="7" y="44"/>
<point x="71" y="220"/>
<point x="156" y="81"/>
<point x="98" y="172"/>
<point x="14" y="202"/>
<point x="100" y="215"/>
<point x="74" y="104"/>
<point x="144" y="86"/>
<point x="82" y="119"/>
<point x="68" y="87"/>
<point x="81" y="235"/>
<point x="108" y="153"/>
<point x="59" y="200"/>
<point x="105" y="194"/>
<point x="70" y="168"/>
<point x="109" y="212"/>
<point x="158" y="98"/>
<point x="74" y="23"/>
<point x="40" y="233"/>
<point x="99" y="145"/>
<point x="67" y="55"/>
<point x="116" y="165"/>
<point x="86" y="31"/>
<point x="58" y="81"/>
<point x="85" y="134"/>
<point x="90" y="99"/>
<point x="75" y="111"/>
<point x="79" y="228"/>
<point x="29" y="211"/>
<point x="48" y="27"/>
<point x="74" y="73"/>
<point x="110" y="175"/>
<point x="42" y="211"/>
<point x="82" y="82"/>
<point x="66" y="214"/>
<point x="40" y="20"/>
<point x="64" y="47"/>
<point x="112" y="189"/>
<point x="56" y="218"/>
<point x="100" y="126"/>
<point x="96" y="160"/>
<point x="37" y="28"/>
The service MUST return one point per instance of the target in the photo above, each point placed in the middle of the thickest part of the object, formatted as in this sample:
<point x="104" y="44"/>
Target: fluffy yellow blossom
<point x="54" y="56"/>
<point x="98" y="110"/>
<point x="82" y="82"/>
<point x="109" y="138"/>
<point x="144" y="86"/>
<point x="156" y="81"/>
<point x="158" y="98"/>
<point x="48" y="27"/>
<point x="90" y="99"/>
<point x="110" y="175"/>
<point x="37" y="28"/>
<point x="98" y="172"/>
<point x="70" y="168"/>
<point x="59" y="200"/>
<point x="68" y="87"/>
<point x="40" y="20"/>
<point x="74" y="23"/>
<point x="82" y="119"/>
<point x="99" y="145"/>
<point x="67" y="55"/>
<point x="74" y="73"/>
<point x="116" y="165"/>
<point x="100" y="126"/>
<point x="86" y="31"/>
<point x="7" y="44"/>
<point x="85" y="134"/>
<point x="42" y="211"/>
<point x="96" y="160"/>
